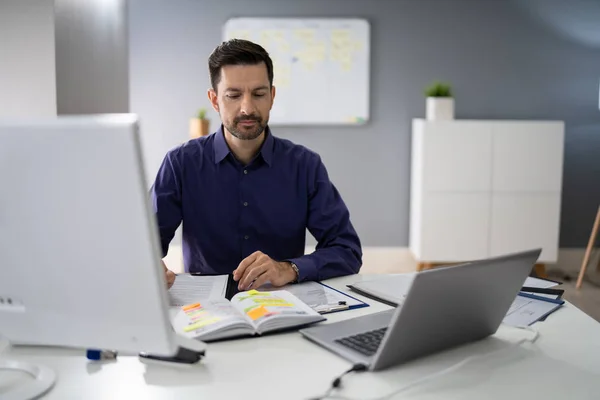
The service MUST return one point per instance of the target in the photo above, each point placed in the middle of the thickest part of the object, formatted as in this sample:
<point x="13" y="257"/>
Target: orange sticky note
<point x="191" y="306"/>
<point x="258" y="312"/>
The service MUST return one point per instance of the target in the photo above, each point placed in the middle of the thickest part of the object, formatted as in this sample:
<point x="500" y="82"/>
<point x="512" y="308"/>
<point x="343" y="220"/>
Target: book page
<point x="198" y="320"/>
<point x="260" y="307"/>
<point x="189" y="289"/>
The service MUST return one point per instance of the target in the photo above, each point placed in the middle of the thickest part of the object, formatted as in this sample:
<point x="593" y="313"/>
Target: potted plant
<point x="440" y="103"/>
<point x="199" y="126"/>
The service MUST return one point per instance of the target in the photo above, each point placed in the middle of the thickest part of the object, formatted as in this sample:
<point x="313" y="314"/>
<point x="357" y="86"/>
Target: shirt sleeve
<point x="166" y="200"/>
<point x="338" y="250"/>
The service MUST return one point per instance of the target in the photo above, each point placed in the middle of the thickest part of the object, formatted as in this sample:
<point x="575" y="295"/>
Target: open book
<point x="247" y="314"/>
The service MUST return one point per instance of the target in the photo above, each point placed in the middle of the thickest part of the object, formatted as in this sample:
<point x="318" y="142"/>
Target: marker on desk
<point x="340" y="306"/>
<point x="334" y="308"/>
<point x="99" y="355"/>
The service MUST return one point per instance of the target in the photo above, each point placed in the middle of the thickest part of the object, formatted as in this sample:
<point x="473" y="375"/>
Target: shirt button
<point x="245" y="204"/>
<point x="245" y="172"/>
<point x="246" y="237"/>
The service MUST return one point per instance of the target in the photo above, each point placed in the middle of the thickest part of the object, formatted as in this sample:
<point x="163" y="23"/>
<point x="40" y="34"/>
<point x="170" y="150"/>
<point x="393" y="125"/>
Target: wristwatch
<point x="295" y="268"/>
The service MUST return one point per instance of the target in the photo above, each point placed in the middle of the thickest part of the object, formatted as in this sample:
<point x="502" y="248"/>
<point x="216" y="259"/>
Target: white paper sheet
<point x="392" y="289"/>
<point x="196" y="288"/>
<point x="539" y="283"/>
<point x="524" y="311"/>
<point x="318" y="297"/>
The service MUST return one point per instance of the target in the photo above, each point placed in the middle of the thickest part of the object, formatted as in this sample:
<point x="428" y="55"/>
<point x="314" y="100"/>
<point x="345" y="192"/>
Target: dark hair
<point x="237" y="52"/>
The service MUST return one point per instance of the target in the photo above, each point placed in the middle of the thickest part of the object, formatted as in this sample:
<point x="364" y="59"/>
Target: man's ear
<point x="273" y="91"/>
<point x="212" y="97"/>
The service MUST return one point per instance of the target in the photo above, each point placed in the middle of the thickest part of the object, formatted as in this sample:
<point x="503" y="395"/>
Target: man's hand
<point x="258" y="268"/>
<point x="169" y="275"/>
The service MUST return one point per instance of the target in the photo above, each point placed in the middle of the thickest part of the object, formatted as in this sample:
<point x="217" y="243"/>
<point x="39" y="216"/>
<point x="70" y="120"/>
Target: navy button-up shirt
<point x="230" y="210"/>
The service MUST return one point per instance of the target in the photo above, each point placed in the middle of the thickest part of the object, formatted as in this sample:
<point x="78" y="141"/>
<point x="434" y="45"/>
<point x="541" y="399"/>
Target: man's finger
<point x="170" y="278"/>
<point x="252" y="273"/>
<point x="246" y="262"/>
<point x="261" y="280"/>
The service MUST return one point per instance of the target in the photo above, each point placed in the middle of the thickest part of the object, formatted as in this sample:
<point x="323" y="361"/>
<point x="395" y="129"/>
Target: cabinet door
<point x="527" y="156"/>
<point x="455" y="227"/>
<point x="456" y="156"/>
<point x="525" y="221"/>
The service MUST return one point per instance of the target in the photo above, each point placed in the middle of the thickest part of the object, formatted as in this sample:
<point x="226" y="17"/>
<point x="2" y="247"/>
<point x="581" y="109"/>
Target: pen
<point x="542" y="290"/>
<point x="97" y="355"/>
<point x="333" y="309"/>
<point x="252" y="283"/>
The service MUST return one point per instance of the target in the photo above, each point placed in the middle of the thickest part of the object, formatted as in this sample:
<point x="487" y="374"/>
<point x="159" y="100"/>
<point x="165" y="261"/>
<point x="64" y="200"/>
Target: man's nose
<point x="247" y="106"/>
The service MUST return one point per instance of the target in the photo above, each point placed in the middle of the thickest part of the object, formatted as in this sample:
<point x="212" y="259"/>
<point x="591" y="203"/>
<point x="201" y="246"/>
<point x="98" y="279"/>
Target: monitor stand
<point x="189" y="352"/>
<point x="44" y="379"/>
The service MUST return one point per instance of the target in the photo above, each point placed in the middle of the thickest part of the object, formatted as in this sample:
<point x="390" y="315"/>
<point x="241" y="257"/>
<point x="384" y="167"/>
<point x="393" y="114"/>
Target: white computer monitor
<point x="80" y="256"/>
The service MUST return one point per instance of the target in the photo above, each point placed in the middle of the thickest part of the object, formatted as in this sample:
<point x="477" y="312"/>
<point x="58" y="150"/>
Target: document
<point x="391" y="290"/>
<point x="524" y="311"/>
<point x="195" y="288"/>
<point x="539" y="283"/>
<point x="319" y="297"/>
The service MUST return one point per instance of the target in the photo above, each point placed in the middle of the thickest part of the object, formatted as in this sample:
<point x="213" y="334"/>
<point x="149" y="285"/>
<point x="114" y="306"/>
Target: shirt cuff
<point x="306" y="268"/>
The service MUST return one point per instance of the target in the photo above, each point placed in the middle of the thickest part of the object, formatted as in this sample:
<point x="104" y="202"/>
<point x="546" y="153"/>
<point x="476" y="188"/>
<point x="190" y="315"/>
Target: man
<point x="246" y="197"/>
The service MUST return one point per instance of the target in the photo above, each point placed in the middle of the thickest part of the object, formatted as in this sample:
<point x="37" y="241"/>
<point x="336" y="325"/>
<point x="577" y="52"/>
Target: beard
<point x="246" y="132"/>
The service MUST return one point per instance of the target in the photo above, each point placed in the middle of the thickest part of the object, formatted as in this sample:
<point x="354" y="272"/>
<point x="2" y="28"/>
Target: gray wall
<point x="92" y="56"/>
<point x="27" y="75"/>
<point x="504" y="60"/>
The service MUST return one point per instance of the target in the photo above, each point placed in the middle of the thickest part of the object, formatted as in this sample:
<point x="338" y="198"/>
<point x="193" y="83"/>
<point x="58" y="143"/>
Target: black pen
<point x="558" y="292"/>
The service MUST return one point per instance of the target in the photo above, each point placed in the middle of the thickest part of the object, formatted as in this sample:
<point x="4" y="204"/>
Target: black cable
<point x="337" y="382"/>
<point x="359" y="367"/>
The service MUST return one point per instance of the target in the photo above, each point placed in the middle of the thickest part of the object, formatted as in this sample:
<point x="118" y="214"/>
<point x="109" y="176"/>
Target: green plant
<point x="438" y="89"/>
<point x="201" y="113"/>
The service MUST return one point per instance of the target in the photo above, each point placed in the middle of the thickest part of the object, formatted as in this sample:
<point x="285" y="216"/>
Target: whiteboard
<point x="320" y="67"/>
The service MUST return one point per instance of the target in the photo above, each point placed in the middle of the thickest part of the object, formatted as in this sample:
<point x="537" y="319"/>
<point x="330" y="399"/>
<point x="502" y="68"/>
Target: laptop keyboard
<point x="365" y="343"/>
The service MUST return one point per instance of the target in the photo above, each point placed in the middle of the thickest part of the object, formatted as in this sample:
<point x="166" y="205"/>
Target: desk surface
<point x="563" y="363"/>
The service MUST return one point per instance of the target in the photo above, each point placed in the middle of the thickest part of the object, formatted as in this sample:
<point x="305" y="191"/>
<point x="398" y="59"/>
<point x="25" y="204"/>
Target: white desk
<point x="563" y="363"/>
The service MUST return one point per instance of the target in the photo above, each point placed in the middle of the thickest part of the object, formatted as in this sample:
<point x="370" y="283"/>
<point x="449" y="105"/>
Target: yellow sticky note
<point x="200" y="324"/>
<point x="273" y="302"/>
<point x="305" y="34"/>
<point x="254" y="292"/>
<point x="257" y="313"/>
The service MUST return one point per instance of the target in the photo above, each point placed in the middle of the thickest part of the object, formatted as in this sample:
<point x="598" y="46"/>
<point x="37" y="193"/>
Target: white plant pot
<point x="440" y="108"/>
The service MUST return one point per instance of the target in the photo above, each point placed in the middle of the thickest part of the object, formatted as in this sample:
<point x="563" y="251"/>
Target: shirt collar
<point x="222" y="150"/>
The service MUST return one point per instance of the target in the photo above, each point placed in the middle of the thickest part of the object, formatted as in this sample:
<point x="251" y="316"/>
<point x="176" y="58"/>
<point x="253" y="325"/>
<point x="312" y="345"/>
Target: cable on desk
<point x="337" y="382"/>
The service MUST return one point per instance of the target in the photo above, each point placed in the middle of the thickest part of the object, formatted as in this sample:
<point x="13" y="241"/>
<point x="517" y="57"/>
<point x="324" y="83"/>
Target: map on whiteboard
<point x="320" y="67"/>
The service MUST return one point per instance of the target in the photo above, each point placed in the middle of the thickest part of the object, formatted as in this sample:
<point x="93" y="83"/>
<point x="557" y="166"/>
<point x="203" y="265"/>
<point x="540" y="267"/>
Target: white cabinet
<point x="528" y="157"/>
<point x="485" y="188"/>
<point x="522" y="221"/>
<point x="447" y="214"/>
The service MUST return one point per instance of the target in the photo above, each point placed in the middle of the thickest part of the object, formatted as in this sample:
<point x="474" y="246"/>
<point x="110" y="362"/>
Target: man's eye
<point x="259" y="95"/>
<point x="233" y="96"/>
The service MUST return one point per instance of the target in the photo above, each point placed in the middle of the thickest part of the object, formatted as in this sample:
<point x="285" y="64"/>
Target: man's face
<point x="243" y="99"/>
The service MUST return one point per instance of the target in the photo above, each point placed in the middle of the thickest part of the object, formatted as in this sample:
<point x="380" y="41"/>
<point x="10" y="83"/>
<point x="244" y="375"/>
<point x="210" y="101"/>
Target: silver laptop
<point x="444" y="308"/>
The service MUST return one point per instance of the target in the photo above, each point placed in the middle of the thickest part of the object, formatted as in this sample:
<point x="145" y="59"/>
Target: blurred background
<point x="516" y="60"/>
